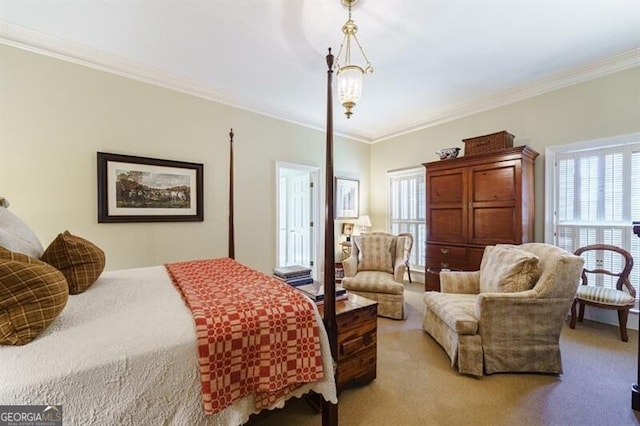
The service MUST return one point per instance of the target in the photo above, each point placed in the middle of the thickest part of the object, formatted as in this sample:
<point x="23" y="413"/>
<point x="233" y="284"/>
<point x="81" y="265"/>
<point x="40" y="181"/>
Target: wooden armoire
<point x="475" y="201"/>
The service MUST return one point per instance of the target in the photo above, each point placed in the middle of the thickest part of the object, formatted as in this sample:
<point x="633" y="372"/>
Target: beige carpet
<point x="416" y="384"/>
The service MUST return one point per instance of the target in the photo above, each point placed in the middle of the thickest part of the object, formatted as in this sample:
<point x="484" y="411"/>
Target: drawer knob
<point x="444" y="250"/>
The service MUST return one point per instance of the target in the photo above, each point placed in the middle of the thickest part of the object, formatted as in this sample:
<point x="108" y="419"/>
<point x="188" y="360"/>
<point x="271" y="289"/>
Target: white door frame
<point x="314" y="212"/>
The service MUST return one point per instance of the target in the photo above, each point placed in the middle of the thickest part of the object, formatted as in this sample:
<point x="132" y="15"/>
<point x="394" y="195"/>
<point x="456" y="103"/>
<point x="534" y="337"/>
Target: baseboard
<point x="607" y="316"/>
<point x="416" y="276"/>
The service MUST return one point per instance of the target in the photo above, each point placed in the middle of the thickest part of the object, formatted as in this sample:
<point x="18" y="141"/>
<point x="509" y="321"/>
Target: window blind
<point x="406" y="209"/>
<point x="597" y="196"/>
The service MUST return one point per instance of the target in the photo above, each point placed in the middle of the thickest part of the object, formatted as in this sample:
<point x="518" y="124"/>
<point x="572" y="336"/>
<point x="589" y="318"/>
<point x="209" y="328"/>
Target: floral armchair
<point x="375" y="270"/>
<point x="507" y="317"/>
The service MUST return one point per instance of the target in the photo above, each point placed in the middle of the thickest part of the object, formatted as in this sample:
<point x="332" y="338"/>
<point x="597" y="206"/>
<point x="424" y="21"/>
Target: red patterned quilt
<point x="254" y="333"/>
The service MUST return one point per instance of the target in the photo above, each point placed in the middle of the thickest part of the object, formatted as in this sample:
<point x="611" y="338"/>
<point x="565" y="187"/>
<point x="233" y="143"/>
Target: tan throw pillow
<point x="376" y="252"/>
<point x="79" y="260"/>
<point x="31" y="297"/>
<point x="507" y="269"/>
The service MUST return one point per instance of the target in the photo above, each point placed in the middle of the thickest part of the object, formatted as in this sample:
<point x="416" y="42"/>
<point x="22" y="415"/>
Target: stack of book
<point x="315" y="291"/>
<point x="294" y="275"/>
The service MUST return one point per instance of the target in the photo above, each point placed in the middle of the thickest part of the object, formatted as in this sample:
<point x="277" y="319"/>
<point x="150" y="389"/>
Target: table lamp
<point x="364" y="223"/>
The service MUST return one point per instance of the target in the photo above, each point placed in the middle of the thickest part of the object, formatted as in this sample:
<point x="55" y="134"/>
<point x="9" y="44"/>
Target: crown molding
<point x="620" y="62"/>
<point x="26" y="39"/>
<point x="33" y="41"/>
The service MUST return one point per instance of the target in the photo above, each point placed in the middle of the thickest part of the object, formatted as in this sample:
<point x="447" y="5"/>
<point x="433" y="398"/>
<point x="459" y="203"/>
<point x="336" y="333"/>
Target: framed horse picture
<point x="140" y="189"/>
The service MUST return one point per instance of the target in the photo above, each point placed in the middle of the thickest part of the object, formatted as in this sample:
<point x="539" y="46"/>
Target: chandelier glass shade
<point x="349" y="75"/>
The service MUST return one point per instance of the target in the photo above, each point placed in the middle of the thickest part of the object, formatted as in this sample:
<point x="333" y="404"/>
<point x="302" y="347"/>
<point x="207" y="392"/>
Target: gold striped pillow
<point x="32" y="294"/>
<point x="80" y="261"/>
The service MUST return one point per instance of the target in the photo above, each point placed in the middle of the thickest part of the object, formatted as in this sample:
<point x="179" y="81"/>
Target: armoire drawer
<point x="444" y="263"/>
<point x="445" y="253"/>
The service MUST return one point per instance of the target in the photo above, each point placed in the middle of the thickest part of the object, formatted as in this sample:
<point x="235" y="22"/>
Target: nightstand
<point x="357" y="321"/>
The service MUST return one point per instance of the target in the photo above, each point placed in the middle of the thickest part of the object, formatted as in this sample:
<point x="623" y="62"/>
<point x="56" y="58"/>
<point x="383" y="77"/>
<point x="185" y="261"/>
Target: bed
<point x="124" y="352"/>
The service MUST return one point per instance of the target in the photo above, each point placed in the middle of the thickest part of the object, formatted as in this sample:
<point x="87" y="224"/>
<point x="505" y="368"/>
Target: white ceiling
<point x="434" y="60"/>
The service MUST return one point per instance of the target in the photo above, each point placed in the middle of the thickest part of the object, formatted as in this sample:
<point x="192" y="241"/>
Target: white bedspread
<point x="123" y="353"/>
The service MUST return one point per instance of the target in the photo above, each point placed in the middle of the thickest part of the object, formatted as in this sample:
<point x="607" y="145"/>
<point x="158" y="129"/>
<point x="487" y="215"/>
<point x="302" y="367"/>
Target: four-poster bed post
<point x="232" y="253"/>
<point x="329" y="411"/>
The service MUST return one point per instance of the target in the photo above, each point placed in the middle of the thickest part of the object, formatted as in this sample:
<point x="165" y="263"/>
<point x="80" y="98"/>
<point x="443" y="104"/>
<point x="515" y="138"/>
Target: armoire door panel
<point x="446" y="188"/>
<point x="494" y="225"/>
<point x="497" y="184"/>
<point x="446" y="225"/>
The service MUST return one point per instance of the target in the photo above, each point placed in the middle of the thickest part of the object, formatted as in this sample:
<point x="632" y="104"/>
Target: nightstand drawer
<point x="355" y="343"/>
<point x="357" y="319"/>
<point x="359" y="367"/>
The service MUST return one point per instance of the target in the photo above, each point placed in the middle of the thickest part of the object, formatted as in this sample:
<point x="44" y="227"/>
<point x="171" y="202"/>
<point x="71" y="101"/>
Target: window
<point x="407" y="209"/>
<point x="596" y="196"/>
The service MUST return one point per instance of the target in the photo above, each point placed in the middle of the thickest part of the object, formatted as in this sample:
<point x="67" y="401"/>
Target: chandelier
<point x="350" y="76"/>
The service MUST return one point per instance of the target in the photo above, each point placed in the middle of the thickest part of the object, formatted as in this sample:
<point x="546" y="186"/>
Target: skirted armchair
<point x="507" y="317"/>
<point x="375" y="270"/>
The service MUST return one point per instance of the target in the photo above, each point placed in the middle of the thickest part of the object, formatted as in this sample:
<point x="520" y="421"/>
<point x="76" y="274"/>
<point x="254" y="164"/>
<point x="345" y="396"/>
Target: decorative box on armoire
<point x="475" y="201"/>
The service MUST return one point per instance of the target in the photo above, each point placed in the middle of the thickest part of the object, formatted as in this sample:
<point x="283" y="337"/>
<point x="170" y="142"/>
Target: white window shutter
<point x="596" y="197"/>
<point x="406" y="209"/>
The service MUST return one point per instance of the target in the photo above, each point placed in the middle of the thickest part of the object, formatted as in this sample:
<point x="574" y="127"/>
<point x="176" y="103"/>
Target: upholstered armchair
<point x="507" y="317"/>
<point x="375" y="270"/>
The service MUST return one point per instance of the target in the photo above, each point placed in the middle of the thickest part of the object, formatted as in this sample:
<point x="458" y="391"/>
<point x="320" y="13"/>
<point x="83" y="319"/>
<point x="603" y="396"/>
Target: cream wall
<point x="55" y="116"/>
<point x="599" y="108"/>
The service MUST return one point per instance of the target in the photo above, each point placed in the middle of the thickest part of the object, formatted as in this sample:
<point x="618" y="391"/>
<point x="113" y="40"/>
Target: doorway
<point x="297" y="226"/>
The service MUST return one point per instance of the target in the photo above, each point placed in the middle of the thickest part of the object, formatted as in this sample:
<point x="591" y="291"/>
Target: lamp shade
<point x="364" y="221"/>
<point x="349" y="80"/>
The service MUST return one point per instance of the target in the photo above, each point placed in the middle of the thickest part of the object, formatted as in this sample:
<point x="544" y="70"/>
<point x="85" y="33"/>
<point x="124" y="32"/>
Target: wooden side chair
<point x="408" y="245"/>
<point x="621" y="298"/>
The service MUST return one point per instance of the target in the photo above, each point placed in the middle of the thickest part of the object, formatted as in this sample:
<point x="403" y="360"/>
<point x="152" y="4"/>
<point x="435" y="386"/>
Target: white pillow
<point x="16" y="236"/>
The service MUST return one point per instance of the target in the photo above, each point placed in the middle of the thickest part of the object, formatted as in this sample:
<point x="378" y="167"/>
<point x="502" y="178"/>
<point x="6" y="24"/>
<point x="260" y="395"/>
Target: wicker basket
<point x="488" y="143"/>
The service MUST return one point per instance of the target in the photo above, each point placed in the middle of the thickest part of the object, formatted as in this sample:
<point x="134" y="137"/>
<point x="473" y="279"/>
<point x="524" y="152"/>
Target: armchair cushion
<point x="460" y="282"/>
<point x="610" y="296"/>
<point x="377" y="252"/>
<point x="458" y="312"/>
<point x="507" y="269"/>
<point x="372" y="281"/>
